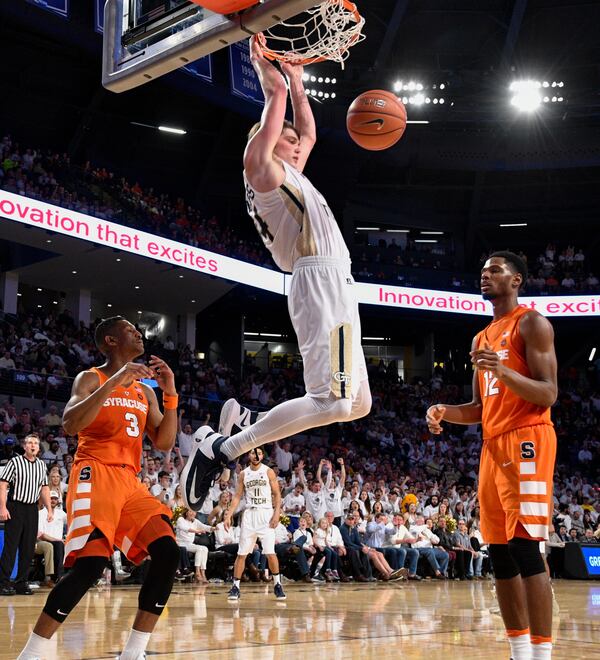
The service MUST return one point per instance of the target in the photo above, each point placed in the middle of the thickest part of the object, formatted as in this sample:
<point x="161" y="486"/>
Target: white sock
<point x="36" y="647"/>
<point x="236" y="582"/>
<point x="276" y="578"/>
<point x="520" y="646"/>
<point x="136" y="645"/>
<point x="284" y="420"/>
<point x="541" y="651"/>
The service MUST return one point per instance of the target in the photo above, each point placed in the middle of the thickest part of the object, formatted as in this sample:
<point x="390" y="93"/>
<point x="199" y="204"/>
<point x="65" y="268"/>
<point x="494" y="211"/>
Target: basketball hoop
<point x="325" y="32"/>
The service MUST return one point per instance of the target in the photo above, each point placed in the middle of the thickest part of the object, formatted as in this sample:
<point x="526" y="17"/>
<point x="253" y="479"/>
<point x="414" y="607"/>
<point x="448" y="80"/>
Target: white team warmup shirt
<point x="299" y="229"/>
<point x="258" y="512"/>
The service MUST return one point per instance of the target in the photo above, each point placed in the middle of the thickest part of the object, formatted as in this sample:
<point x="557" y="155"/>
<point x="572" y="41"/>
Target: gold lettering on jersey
<point x="256" y="483"/>
<point x="117" y="401"/>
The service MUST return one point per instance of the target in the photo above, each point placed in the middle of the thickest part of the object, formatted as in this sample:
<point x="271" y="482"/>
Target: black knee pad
<point x="527" y="556"/>
<point x="503" y="564"/>
<point x="164" y="555"/>
<point x="73" y="586"/>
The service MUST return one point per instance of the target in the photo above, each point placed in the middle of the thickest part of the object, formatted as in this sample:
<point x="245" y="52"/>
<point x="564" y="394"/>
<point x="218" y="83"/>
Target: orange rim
<point x="273" y="55"/>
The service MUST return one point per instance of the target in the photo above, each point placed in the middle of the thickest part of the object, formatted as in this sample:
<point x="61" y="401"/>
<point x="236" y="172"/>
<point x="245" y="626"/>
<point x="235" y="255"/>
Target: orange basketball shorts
<point x="111" y="499"/>
<point x="515" y="484"/>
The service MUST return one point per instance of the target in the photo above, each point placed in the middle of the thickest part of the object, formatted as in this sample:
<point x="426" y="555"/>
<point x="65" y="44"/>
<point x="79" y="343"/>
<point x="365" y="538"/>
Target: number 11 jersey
<point x="115" y="435"/>
<point x="503" y="410"/>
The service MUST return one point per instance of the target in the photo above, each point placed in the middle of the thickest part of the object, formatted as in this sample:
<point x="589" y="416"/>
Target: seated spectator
<point x="324" y="551"/>
<point x="163" y="491"/>
<point x="56" y="484"/>
<point x="400" y="539"/>
<point x="50" y="541"/>
<point x="465" y="555"/>
<point x="357" y="551"/>
<point x="53" y="454"/>
<point x="177" y="502"/>
<point x="336" y="543"/>
<point x="216" y="515"/>
<point x="293" y="505"/>
<point x="285" y="547"/>
<point x="427" y="545"/>
<point x="52" y="419"/>
<point x="186" y="529"/>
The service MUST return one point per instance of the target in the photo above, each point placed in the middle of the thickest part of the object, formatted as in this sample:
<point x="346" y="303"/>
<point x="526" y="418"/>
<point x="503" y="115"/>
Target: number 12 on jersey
<point x="490" y="384"/>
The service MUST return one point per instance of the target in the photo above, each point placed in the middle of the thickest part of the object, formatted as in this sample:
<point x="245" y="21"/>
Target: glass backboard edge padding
<point x="122" y="71"/>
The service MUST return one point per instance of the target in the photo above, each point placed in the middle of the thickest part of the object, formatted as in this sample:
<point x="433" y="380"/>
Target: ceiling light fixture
<point x="171" y="129"/>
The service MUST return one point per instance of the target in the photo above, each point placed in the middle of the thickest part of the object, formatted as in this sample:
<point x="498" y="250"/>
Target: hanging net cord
<point x="325" y="32"/>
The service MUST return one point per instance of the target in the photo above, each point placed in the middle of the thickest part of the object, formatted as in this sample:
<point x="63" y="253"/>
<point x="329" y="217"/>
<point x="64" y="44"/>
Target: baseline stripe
<point x="536" y="531"/>
<point x="534" y="509"/>
<point x="78" y="522"/>
<point x="82" y="504"/>
<point x="533" y="488"/>
<point x="527" y="468"/>
<point x="76" y="544"/>
<point x="127" y="543"/>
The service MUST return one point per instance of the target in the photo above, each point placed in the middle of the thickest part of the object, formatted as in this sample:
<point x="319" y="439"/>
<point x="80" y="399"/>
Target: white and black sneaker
<point x="235" y="418"/>
<point x="234" y="594"/>
<point x="204" y="466"/>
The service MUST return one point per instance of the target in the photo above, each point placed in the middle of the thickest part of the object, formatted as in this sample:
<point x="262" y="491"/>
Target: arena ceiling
<point x="476" y="164"/>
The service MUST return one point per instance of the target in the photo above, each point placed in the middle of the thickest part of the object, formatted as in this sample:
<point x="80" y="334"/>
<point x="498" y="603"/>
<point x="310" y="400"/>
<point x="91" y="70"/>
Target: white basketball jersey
<point x="257" y="488"/>
<point x="295" y="221"/>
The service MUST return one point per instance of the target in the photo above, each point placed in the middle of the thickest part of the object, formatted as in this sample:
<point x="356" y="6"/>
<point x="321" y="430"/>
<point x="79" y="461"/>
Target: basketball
<point x="376" y="120"/>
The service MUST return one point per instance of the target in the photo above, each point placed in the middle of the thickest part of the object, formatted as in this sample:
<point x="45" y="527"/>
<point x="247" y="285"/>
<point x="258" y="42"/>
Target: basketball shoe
<point x="279" y="592"/>
<point x="234" y="593"/>
<point x="235" y="417"/>
<point x="204" y="466"/>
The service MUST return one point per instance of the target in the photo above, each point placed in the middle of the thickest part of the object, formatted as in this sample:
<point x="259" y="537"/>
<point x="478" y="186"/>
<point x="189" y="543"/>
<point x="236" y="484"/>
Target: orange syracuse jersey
<point x="115" y="435"/>
<point x="503" y="410"/>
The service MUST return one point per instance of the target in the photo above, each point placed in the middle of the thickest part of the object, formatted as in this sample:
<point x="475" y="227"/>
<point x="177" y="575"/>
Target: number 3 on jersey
<point x="133" y="429"/>
<point x="490" y="384"/>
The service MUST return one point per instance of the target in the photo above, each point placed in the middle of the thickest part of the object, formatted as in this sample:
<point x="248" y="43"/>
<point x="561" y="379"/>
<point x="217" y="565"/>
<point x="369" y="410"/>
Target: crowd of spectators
<point x="97" y="191"/>
<point x="561" y="269"/>
<point x="52" y="177"/>
<point x="405" y="489"/>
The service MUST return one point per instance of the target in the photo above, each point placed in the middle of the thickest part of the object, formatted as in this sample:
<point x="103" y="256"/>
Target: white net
<point x="325" y="32"/>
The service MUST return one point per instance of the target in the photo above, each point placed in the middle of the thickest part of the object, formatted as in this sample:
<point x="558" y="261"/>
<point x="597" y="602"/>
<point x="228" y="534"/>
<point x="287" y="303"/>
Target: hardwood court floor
<point x="427" y="620"/>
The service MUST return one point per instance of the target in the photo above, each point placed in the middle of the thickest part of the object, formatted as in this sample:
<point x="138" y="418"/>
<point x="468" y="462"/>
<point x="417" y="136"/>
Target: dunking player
<point x="299" y="229"/>
<point x="514" y="386"/>
<point x="258" y="485"/>
<point x="110" y="410"/>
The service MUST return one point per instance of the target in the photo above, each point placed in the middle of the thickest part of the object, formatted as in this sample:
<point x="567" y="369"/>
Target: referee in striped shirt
<point x="22" y="481"/>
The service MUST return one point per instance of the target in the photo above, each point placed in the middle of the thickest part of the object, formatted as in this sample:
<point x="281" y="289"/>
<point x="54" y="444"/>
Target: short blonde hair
<point x="286" y="124"/>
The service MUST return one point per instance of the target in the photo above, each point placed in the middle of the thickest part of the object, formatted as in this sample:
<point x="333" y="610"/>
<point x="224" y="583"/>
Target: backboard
<point x="145" y="39"/>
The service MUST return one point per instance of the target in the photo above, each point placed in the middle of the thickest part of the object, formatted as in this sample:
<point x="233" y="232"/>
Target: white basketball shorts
<point x="324" y="312"/>
<point x="255" y="525"/>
